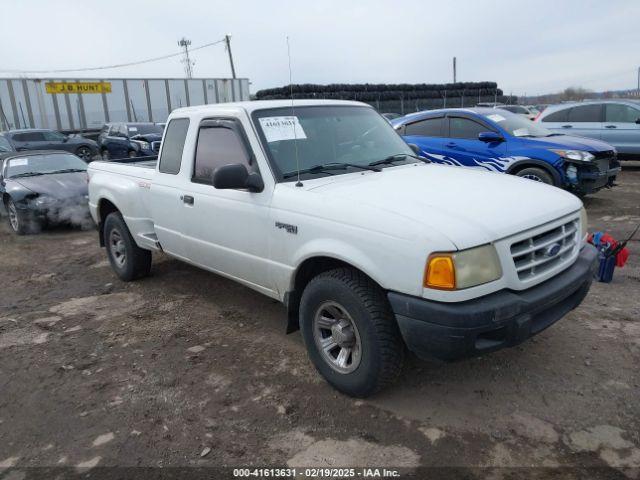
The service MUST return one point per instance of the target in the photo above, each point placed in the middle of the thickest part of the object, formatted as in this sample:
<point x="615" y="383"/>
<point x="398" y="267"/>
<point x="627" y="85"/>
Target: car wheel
<point x="133" y="154"/>
<point x="536" y="174"/>
<point x="129" y="261"/>
<point x="85" y="154"/>
<point x="19" y="221"/>
<point x="350" y="332"/>
<point x="105" y="154"/>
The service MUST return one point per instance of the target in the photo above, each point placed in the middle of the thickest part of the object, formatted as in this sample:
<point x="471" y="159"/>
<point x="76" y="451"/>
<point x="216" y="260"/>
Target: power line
<point x="120" y="65"/>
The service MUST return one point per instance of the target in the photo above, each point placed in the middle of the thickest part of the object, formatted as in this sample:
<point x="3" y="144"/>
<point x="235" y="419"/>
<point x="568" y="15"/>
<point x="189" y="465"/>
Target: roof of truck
<point x="264" y="104"/>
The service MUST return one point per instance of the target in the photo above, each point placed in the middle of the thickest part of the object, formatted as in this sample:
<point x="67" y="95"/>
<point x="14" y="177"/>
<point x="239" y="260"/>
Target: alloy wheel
<point x="337" y="338"/>
<point x="117" y="248"/>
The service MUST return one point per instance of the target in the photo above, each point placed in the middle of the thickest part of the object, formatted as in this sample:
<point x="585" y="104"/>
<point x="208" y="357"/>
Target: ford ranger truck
<point x="323" y="206"/>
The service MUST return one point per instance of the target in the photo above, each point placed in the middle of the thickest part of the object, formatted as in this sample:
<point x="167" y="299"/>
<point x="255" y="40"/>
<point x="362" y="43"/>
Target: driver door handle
<point x="188" y="199"/>
<point x="610" y="126"/>
<point x="451" y="144"/>
<point x="567" y="126"/>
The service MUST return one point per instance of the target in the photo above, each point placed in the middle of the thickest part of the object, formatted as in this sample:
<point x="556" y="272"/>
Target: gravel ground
<point x="186" y="369"/>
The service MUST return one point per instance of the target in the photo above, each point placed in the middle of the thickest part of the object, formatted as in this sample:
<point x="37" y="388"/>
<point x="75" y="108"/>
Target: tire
<point x="105" y="155"/>
<point x="132" y="154"/>
<point x="536" y="174"/>
<point x="129" y="261"/>
<point x="19" y="221"/>
<point x="85" y="154"/>
<point x="345" y="296"/>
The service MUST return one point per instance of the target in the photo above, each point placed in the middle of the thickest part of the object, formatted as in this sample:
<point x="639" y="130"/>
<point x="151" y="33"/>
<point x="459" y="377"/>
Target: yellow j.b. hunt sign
<point x="78" y="87"/>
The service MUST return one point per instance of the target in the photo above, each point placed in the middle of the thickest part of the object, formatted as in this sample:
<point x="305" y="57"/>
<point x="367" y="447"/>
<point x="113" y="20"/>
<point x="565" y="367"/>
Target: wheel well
<point x="539" y="164"/>
<point x="105" y="207"/>
<point x="309" y="269"/>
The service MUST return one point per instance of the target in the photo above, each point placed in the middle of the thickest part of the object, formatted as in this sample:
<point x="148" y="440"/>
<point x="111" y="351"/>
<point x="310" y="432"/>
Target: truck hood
<point x="58" y="185"/>
<point x="568" y="142"/>
<point x="469" y="207"/>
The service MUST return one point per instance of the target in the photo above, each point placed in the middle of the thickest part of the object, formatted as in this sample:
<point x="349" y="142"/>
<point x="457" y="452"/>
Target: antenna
<point x="293" y="114"/>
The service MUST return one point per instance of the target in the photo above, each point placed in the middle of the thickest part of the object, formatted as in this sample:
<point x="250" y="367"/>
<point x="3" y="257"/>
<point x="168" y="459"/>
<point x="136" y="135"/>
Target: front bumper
<point x="595" y="176"/>
<point x="451" y="331"/>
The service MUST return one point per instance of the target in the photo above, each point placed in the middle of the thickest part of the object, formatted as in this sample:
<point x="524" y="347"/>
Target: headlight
<point x="584" y="223"/>
<point x="143" y="145"/>
<point x="577" y="155"/>
<point x="464" y="269"/>
<point x="44" y="200"/>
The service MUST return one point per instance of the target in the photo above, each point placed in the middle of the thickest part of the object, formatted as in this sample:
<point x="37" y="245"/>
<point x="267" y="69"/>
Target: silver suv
<point x="616" y="122"/>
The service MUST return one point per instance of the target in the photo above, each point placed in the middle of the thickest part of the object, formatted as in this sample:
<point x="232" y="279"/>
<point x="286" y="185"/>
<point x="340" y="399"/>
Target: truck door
<point x="226" y="229"/>
<point x="467" y="150"/>
<point x="166" y="190"/>
<point x="428" y="135"/>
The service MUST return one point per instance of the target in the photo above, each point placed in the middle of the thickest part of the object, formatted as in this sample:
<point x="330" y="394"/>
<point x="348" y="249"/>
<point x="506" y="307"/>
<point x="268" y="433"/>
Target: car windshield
<point x="517" y="125"/>
<point x="30" y="165"/>
<point x="343" y="137"/>
<point x="144" y="129"/>
<point x="5" y="146"/>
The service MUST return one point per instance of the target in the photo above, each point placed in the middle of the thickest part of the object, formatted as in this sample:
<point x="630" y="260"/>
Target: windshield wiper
<point x="68" y="170"/>
<point x="394" y="158"/>
<point x="329" y="166"/>
<point x="26" y="174"/>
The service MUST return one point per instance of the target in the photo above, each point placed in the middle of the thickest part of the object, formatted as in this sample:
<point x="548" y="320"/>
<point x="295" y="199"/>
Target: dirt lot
<point x="96" y="372"/>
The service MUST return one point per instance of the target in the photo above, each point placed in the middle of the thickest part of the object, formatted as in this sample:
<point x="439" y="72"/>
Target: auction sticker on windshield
<point x="495" y="117"/>
<point x="282" y="128"/>
<point x="19" y="162"/>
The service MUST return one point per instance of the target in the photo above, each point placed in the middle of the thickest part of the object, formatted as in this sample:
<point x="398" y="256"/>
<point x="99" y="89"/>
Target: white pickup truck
<point x="323" y="206"/>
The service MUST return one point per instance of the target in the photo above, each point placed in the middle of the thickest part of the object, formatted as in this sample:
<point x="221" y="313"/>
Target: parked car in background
<point x="42" y="139"/>
<point x="616" y="122"/>
<point x="43" y="187"/>
<point x="5" y="144"/>
<point x="500" y="141"/>
<point x="371" y="249"/>
<point x="122" y="140"/>
<point x="527" y="112"/>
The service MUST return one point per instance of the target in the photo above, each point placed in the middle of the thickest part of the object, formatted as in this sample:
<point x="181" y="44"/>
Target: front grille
<point x="604" y="154"/>
<point x="155" y="146"/>
<point x="536" y="255"/>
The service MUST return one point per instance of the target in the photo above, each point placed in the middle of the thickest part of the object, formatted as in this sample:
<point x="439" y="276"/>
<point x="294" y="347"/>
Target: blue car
<point x="129" y="140"/>
<point x="500" y="141"/>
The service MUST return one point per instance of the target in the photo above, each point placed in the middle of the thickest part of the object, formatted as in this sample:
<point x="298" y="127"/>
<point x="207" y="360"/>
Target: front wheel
<point x="350" y="333"/>
<point x="536" y="174"/>
<point x="19" y="220"/>
<point x="129" y="261"/>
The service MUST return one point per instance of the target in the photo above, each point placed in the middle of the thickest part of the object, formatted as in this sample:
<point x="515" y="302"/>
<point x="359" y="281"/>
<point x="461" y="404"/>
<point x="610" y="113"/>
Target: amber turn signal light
<point x="440" y="273"/>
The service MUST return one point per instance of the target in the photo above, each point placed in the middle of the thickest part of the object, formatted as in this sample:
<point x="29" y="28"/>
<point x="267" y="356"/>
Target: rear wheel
<point x="536" y="174"/>
<point x="129" y="261"/>
<point x="85" y="154"/>
<point x="350" y="333"/>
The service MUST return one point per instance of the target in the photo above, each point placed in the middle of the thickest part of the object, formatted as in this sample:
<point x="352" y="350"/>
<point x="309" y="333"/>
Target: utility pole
<point x="227" y="39"/>
<point x="454" y="69"/>
<point x="184" y="43"/>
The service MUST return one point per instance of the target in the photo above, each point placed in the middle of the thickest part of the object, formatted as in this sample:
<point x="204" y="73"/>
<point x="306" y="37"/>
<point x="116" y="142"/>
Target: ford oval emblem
<point x="552" y="250"/>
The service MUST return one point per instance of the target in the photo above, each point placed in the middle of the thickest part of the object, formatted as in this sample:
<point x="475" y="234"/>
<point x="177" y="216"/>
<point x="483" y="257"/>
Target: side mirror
<point x="490" y="137"/>
<point x="65" y="139"/>
<point x="235" y="176"/>
<point x="415" y="148"/>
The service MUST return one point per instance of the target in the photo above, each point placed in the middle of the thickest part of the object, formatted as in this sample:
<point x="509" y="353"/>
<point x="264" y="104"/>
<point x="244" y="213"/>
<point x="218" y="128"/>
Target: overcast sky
<point x="531" y="47"/>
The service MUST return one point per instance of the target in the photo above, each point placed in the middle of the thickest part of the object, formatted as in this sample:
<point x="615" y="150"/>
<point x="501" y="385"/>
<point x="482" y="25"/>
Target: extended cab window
<point x="617" y="113"/>
<point x="465" y="128"/>
<point x="217" y="146"/>
<point x="431" y="127"/>
<point x="173" y="145"/>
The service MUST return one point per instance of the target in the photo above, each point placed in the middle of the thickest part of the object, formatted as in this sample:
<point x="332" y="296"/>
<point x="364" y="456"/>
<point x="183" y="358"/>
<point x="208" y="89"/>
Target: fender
<point x="534" y="162"/>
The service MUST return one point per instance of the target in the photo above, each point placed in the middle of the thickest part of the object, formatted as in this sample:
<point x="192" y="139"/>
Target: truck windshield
<point x="517" y="125"/>
<point x="327" y="135"/>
